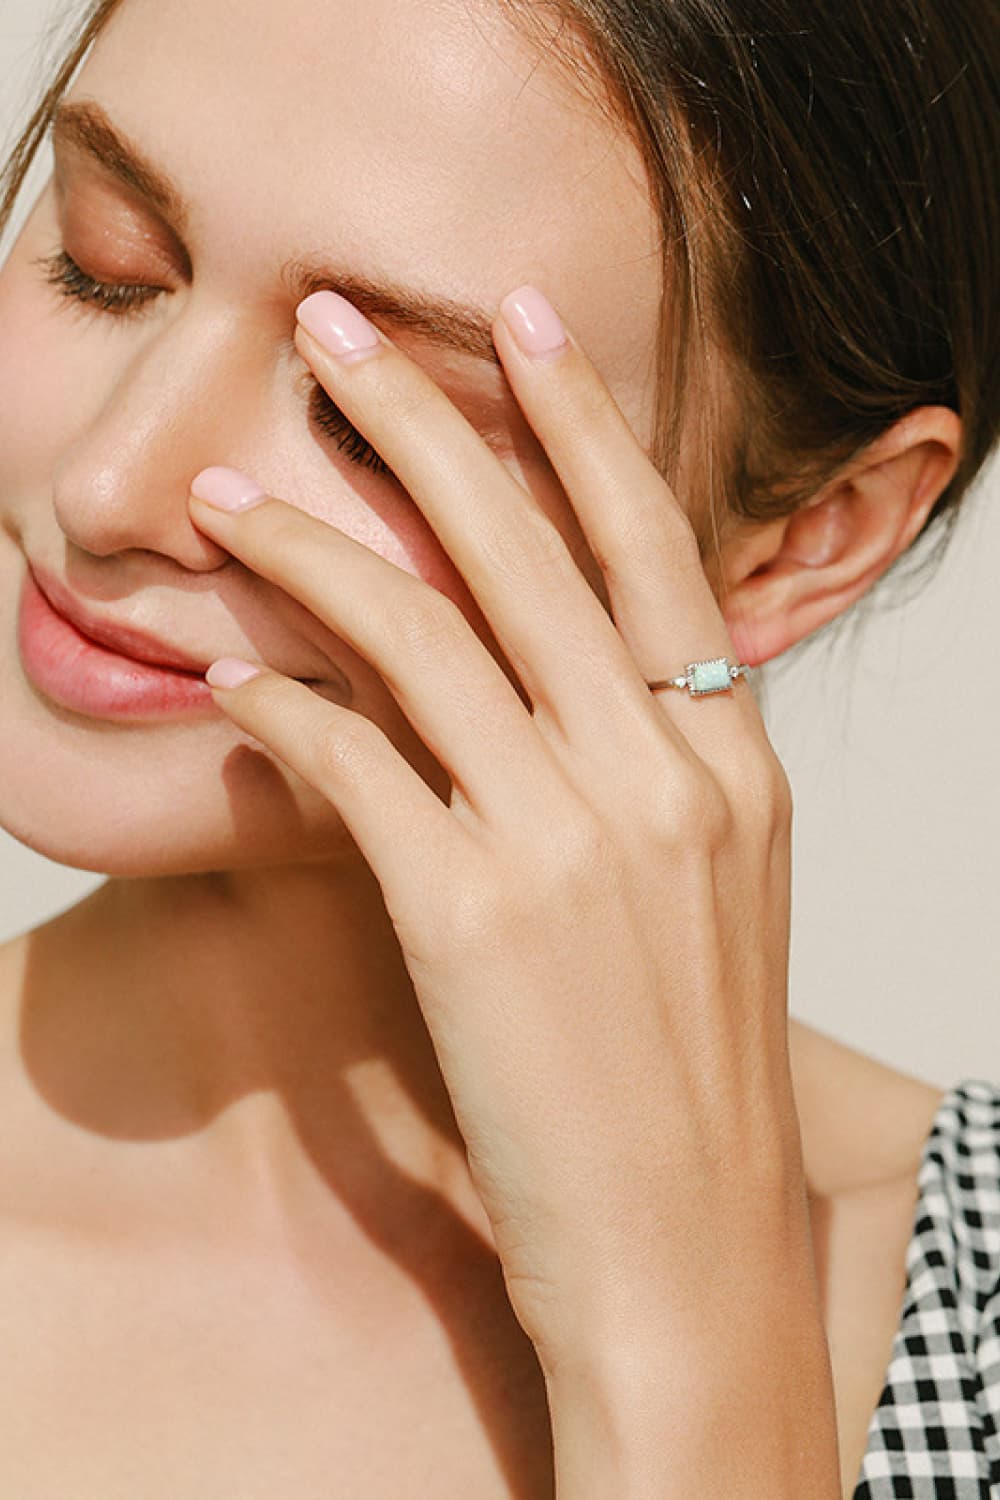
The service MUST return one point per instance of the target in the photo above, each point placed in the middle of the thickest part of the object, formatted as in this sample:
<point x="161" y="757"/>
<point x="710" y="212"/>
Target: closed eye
<point x="129" y="299"/>
<point x="329" y="418"/>
<point x="120" y="299"/>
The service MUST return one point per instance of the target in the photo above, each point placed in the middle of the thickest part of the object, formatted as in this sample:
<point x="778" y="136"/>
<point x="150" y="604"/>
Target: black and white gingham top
<point x="934" y="1433"/>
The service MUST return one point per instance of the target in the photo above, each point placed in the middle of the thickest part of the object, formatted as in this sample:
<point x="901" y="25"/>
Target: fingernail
<point x="227" y="489"/>
<point x="230" y="672"/>
<point x="337" y="325"/>
<point x="534" y="322"/>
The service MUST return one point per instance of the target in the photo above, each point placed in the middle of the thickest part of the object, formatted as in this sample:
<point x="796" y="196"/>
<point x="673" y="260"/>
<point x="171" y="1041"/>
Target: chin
<point x="157" y="843"/>
<point x="157" y="799"/>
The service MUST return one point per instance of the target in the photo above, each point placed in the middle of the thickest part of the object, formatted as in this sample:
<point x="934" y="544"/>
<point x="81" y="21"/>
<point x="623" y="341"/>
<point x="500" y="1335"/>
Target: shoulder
<point x="12" y="956"/>
<point x="863" y="1123"/>
<point x="13" y="965"/>
<point x="13" y="971"/>
<point x="15" y="978"/>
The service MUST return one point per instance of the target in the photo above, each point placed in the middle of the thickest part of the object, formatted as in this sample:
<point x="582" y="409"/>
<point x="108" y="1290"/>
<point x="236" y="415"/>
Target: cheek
<point x="376" y="512"/>
<point x="393" y="526"/>
<point x="44" y="376"/>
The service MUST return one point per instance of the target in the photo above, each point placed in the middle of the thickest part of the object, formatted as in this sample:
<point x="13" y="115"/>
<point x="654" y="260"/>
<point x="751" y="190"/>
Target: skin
<point x="278" y="1065"/>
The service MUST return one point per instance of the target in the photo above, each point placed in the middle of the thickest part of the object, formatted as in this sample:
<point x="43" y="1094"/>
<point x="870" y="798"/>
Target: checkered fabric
<point x="934" y="1433"/>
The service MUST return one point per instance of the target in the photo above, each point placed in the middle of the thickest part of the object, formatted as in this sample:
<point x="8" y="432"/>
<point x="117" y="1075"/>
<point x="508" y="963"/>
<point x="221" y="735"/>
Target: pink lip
<point x="122" y="639"/>
<point x="77" y="672"/>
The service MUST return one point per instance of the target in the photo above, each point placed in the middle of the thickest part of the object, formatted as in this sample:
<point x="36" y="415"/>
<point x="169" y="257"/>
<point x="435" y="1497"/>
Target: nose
<point x="186" y="398"/>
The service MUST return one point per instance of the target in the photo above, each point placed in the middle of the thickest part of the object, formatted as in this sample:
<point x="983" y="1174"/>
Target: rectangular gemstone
<point x="710" y="676"/>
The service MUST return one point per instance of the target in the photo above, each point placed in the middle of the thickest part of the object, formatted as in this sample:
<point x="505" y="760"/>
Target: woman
<point x="415" y="1110"/>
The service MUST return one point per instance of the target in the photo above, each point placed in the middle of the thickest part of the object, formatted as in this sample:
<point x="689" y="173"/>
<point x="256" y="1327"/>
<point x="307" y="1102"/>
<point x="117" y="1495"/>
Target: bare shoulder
<point x="14" y="968"/>
<point x="13" y="960"/>
<point x="862" y="1122"/>
<point x="12" y="954"/>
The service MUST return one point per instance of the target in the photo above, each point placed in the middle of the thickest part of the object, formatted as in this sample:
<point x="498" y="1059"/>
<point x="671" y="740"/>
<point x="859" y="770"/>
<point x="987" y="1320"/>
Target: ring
<point x="716" y="675"/>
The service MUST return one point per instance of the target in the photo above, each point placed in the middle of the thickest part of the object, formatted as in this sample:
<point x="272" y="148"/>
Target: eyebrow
<point x="439" y="320"/>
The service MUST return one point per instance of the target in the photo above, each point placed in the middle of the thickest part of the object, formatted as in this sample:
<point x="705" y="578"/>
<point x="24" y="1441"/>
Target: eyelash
<point x="126" y="299"/>
<point x="121" y="299"/>
<point x="331" y="420"/>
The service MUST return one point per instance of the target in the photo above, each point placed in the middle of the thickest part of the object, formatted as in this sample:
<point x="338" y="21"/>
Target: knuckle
<point x="653" y="547"/>
<point x="761" y="790"/>
<point x="715" y="816"/>
<point x="772" y="791"/>
<point x="580" y="852"/>
<point x="530" y="550"/>
<point x="404" y="402"/>
<point x="351" y="750"/>
<point x="693" y="808"/>
<point x="476" y="912"/>
<point x="426" y="623"/>
<point x="283" y="530"/>
<point x="778" y="784"/>
<point x="674" y="540"/>
<point x="594" y="409"/>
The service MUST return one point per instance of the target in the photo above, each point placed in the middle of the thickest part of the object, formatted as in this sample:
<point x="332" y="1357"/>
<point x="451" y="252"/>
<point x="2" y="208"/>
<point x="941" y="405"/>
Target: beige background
<point x="890" y="738"/>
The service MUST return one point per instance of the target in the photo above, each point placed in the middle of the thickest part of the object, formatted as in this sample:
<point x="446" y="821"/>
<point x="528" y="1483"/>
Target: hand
<point x="601" y="952"/>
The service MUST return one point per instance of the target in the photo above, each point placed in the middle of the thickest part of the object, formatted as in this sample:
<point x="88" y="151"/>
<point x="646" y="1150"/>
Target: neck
<point x="264" y="1022"/>
<point x="265" y="1019"/>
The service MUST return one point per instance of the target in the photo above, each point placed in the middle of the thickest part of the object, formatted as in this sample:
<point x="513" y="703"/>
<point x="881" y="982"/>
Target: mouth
<point x="126" y="640"/>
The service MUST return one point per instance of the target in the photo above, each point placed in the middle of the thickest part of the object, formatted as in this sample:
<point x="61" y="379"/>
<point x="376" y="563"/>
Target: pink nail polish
<point x="227" y="489"/>
<point x="337" y="325"/>
<point x="534" y="322"/>
<point x="230" y="672"/>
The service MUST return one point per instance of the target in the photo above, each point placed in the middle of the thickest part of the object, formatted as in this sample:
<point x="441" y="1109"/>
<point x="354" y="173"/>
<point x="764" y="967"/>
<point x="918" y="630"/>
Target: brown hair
<point x="826" y="179"/>
<point x="827" y="176"/>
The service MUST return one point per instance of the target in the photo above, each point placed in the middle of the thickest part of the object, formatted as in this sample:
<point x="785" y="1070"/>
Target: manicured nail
<point x="338" y="326"/>
<point x="230" y="672"/>
<point x="534" y="322"/>
<point x="227" y="489"/>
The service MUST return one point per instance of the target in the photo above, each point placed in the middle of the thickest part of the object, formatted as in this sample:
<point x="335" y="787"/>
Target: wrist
<point x="728" y="1391"/>
<point x="729" y="1256"/>
<point x="743" y="1422"/>
<point x="661" y="1434"/>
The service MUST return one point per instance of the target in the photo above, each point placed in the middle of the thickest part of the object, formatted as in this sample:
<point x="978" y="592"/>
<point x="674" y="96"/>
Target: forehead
<point x="424" y="140"/>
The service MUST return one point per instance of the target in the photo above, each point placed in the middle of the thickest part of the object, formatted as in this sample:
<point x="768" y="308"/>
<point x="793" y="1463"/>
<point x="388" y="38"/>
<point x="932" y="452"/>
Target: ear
<point x="781" y="580"/>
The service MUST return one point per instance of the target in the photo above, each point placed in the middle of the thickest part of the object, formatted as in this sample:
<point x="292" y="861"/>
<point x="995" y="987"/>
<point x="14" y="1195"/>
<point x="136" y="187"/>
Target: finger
<point x="398" y="823"/>
<point x="445" y="681"/>
<point x="550" y="624"/>
<point x="643" y="541"/>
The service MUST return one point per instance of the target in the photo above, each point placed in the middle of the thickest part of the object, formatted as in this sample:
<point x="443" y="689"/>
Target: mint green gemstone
<point x="710" y="676"/>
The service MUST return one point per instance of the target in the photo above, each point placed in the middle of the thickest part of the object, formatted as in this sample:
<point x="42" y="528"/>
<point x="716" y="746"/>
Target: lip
<point x="111" y="671"/>
<point x="123" y="639"/>
<point x="75" y="672"/>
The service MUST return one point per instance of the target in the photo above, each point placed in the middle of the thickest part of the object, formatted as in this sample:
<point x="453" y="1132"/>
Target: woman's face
<point x="426" y="145"/>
